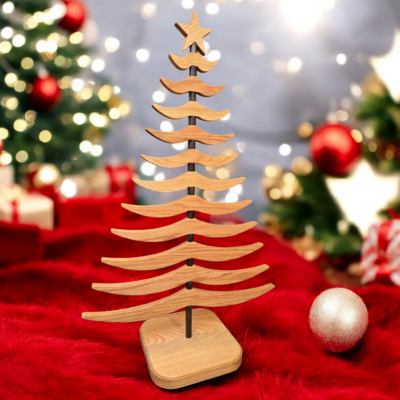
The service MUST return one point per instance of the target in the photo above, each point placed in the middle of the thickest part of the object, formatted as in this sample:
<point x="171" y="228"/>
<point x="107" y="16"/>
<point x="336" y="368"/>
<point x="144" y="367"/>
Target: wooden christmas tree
<point x="187" y="347"/>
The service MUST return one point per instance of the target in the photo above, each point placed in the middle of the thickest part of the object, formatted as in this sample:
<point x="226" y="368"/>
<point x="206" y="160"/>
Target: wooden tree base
<point x="175" y="361"/>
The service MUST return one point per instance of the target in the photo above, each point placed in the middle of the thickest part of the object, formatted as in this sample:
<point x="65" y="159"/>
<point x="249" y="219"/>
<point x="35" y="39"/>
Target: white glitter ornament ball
<point x="339" y="319"/>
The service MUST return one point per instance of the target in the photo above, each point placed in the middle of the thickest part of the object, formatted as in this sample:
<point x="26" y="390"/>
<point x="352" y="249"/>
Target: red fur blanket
<point x="48" y="352"/>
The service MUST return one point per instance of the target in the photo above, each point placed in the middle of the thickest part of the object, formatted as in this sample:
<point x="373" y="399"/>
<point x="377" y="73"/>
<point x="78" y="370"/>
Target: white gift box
<point x="26" y="208"/>
<point x="6" y="175"/>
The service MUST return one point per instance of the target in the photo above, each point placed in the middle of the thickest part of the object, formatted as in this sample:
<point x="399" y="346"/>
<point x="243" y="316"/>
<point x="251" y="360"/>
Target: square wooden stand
<point x="175" y="361"/>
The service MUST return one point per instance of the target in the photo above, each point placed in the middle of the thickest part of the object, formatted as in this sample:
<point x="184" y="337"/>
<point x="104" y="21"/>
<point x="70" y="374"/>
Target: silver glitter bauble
<point x="339" y="318"/>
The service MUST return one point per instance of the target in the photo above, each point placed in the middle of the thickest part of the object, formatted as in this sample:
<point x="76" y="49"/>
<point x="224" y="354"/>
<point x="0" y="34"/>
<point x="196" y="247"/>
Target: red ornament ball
<point x="334" y="150"/>
<point x="45" y="93"/>
<point x="1" y="145"/>
<point x="74" y="17"/>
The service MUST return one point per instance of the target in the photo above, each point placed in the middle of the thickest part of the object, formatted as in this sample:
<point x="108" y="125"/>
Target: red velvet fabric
<point x="48" y="352"/>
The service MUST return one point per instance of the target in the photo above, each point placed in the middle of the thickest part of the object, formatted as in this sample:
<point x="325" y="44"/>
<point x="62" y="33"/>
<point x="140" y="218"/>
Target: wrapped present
<point x="6" y="175"/>
<point x="19" y="206"/>
<point x="112" y="179"/>
<point x="89" y="211"/>
<point x="100" y="182"/>
<point x="380" y="258"/>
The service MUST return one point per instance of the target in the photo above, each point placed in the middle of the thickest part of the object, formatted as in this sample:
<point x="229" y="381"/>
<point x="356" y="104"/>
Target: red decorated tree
<point x="49" y="113"/>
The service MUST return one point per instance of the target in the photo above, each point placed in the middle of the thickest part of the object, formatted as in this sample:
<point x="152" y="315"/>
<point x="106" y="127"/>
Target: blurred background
<point x="313" y="92"/>
<point x="283" y="63"/>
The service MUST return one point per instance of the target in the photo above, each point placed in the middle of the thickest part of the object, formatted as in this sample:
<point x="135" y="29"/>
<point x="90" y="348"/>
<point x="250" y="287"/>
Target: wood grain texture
<point x="189" y="179"/>
<point x="175" y="361"/>
<point x="191" y="108"/>
<point x="190" y="59"/>
<point x="180" y="253"/>
<point x="184" y="204"/>
<point x="189" y="156"/>
<point x="184" y="227"/>
<point x="176" y="301"/>
<point x="193" y="33"/>
<point x="191" y="132"/>
<point x="179" y="277"/>
<point x="191" y="84"/>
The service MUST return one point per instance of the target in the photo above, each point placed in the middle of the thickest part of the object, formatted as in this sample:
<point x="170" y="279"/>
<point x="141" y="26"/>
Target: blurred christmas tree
<point x="331" y="201"/>
<point x="47" y="115"/>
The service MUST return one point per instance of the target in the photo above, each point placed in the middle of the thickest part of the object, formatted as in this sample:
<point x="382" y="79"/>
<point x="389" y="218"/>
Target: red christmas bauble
<point x="1" y="145"/>
<point x="45" y="93"/>
<point x="75" y="16"/>
<point x="334" y="150"/>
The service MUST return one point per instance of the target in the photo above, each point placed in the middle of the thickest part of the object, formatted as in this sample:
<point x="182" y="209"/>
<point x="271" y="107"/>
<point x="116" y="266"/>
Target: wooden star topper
<point x="193" y="34"/>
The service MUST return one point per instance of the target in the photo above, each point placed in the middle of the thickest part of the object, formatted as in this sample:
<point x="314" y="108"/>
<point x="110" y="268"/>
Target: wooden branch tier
<point x="185" y="348"/>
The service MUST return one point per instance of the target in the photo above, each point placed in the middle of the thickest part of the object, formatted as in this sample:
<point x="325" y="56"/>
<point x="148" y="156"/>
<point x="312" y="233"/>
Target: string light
<point x="179" y="146"/>
<point x="96" y="150"/>
<point x="159" y="96"/>
<point x="147" y="169"/>
<point x="98" y="65"/>
<point x="58" y="11"/>
<point x="166" y="126"/>
<point x="213" y="55"/>
<point x="84" y="61"/>
<point x="18" y="40"/>
<point x="21" y="156"/>
<point x="105" y="93"/>
<point x="284" y="149"/>
<point x="8" y="7"/>
<point x="29" y="22"/>
<point x="45" y="136"/>
<point x="341" y="59"/>
<point x="5" y="47"/>
<point x="114" y="113"/>
<point x="20" y="125"/>
<point x="187" y="4"/>
<point x="212" y="8"/>
<point x="305" y="129"/>
<point x="117" y="89"/>
<point x="5" y="158"/>
<point x="294" y="65"/>
<point x="68" y="188"/>
<point x="125" y="108"/>
<point x="76" y="37"/>
<point x="231" y="197"/>
<point x="111" y="44"/>
<point x="3" y="133"/>
<point x="98" y="120"/>
<point x="77" y="85"/>
<point x="12" y="103"/>
<point x="222" y="173"/>
<point x="27" y="63"/>
<point x="241" y="146"/>
<point x="257" y="48"/>
<point x="85" y="146"/>
<point x="160" y="176"/>
<point x="357" y="135"/>
<point x="41" y="46"/>
<point x="142" y="55"/>
<point x="209" y="195"/>
<point x="355" y="90"/>
<point x="148" y="10"/>
<point x="79" y="118"/>
<point x="227" y="117"/>
<point x="7" y="32"/>
<point x="238" y="189"/>
<point x="342" y="115"/>
<point x="20" y="86"/>
<point x="302" y="15"/>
